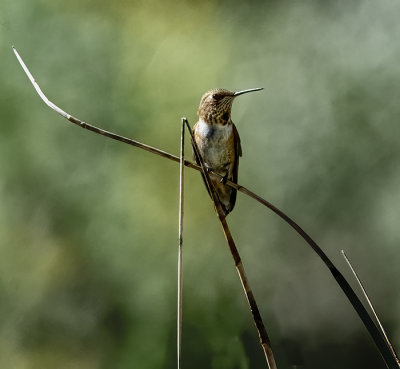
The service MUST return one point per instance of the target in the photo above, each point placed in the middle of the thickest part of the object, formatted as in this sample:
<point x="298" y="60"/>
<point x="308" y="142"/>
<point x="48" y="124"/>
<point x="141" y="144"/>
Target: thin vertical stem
<point x="372" y="308"/>
<point x="180" y="246"/>
<point x="262" y="333"/>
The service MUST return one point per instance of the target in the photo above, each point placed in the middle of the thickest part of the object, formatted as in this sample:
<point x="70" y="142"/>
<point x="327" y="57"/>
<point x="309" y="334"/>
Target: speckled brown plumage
<point x="215" y="106"/>
<point x="219" y="142"/>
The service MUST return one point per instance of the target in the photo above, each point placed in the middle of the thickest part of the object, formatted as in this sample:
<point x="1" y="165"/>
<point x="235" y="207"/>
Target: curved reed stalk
<point x="369" y="324"/>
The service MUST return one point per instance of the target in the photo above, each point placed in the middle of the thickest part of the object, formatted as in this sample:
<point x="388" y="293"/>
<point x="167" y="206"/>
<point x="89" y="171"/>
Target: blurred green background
<point x="88" y="226"/>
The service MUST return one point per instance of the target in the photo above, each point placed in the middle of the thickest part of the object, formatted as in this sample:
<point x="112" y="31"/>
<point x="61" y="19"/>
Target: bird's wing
<point x="237" y="140"/>
<point x="238" y="153"/>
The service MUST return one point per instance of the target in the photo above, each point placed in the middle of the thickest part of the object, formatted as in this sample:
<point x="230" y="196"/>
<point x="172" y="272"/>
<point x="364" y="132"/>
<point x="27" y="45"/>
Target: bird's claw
<point x="224" y="179"/>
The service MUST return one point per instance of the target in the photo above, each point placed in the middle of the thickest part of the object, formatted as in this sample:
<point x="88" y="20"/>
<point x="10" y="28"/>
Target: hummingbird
<point x="219" y="142"/>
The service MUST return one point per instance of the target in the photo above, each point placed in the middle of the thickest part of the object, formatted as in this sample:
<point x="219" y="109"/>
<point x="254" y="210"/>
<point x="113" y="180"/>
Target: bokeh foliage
<point x="88" y="227"/>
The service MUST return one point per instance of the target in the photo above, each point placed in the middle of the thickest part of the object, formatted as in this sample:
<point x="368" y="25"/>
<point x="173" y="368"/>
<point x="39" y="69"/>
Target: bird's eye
<point x="217" y="96"/>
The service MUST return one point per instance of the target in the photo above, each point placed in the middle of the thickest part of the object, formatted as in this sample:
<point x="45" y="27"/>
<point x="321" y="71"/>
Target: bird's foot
<point x="224" y="179"/>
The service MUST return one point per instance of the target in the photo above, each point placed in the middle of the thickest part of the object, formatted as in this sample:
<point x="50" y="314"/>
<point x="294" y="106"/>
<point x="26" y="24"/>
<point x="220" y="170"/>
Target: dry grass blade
<point x="344" y="285"/>
<point x="371" y="307"/>
<point x="262" y="333"/>
<point x="180" y="247"/>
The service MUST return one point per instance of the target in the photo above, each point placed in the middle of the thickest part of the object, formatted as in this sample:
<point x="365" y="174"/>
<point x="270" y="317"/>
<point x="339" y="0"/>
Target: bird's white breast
<point x="213" y="144"/>
<point x="215" y="132"/>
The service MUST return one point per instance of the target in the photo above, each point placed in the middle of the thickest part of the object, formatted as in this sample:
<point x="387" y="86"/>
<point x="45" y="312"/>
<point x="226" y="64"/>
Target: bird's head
<point x="216" y="104"/>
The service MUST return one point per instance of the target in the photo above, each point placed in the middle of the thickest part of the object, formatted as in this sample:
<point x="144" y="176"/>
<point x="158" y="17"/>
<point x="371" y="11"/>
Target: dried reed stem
<point x="180" y="246"/>
<point x="262" y="333"/>
<point x="372" y="308"/>
<point x="344" y="285"/>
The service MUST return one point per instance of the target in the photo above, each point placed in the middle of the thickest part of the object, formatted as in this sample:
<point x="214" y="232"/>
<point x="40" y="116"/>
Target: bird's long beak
<point x="246" y="91"/>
